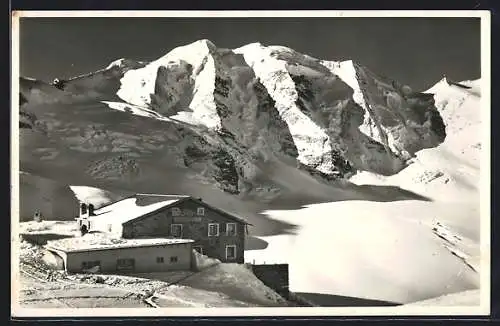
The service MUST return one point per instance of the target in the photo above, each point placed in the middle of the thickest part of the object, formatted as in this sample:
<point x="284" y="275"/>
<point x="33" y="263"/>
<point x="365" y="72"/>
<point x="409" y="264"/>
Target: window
<point x="231" y="252"/>
<point x="213" y="229"/>
<point x="200" y="211"/>
<point x="176" y="211"/>
<point x="199" y="249"/>
<point x="173" y="259"/>
<point x="231" y="229"/>
<point x="176" y="230"/>
<point x="159" y="260"/>
<point x="83" y="209"/>
<point x="125" y="264"/>
<point x="90" y="264"/>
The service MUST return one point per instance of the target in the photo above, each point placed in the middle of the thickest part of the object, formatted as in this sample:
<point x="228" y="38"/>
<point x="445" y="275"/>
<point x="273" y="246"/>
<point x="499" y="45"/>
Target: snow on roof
<point x="160" y="195"/>
<point x="138" y="205"/>
<point x="133" y="207"/>
<point x="101" y="241"/>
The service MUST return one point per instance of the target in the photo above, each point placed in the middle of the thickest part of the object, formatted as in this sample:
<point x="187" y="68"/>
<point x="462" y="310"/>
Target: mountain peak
<point x="116" y="63"/>
<point x="322" y="113"/>
<point x="194" y="51"/>
<point x="253" y="45"/>
<point x="125" y="64"/>
<point x="206" y="44"/>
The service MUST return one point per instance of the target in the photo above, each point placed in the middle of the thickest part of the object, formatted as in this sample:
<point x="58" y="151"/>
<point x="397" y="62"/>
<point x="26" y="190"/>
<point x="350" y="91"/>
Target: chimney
<point x="83" y="210"/>
<point x="91" y="210"/>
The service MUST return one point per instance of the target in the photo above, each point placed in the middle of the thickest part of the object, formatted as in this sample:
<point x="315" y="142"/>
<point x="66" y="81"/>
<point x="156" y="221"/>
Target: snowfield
<point x="465" y="298"/>
<point x="403" y="251"/>
<point x="382" y="251"/>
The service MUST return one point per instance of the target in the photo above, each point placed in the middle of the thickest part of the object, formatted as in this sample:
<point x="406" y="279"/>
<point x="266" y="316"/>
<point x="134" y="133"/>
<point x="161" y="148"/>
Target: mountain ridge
<point x="224" y="115"/>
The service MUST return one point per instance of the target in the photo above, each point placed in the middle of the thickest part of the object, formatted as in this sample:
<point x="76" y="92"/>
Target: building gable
<point x="214" y="231"/>
<point x="188" y="212"/>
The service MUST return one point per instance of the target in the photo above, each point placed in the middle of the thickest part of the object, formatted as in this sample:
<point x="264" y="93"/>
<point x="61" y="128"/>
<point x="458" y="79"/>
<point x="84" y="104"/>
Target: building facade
<point x="215" y="233"/>
<point x="127" y="259"/>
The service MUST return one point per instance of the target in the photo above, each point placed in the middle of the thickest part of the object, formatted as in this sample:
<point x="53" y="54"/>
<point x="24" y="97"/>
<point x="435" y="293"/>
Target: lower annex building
<point x="150" y="233"/>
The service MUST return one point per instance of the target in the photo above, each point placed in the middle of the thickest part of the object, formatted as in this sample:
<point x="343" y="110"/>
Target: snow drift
<point x="464" y="298"/>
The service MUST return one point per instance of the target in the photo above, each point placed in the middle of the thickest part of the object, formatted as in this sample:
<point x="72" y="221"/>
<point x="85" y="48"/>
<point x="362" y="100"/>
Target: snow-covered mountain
<point x="451" y="169"/>
<point x="227" y="117"/>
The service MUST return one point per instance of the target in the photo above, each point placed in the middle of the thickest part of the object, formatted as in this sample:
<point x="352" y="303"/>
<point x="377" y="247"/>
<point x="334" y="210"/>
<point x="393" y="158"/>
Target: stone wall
<point x="274" y="276"/>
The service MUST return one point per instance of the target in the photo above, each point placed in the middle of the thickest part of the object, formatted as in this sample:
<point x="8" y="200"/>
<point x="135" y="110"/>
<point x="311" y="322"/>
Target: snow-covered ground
<point x="234" y="280"/>
<point x="382" y="251"/>
<point x="465" y="298"/>
<point x="214" y="284"/>
<point x="403" y="251"/>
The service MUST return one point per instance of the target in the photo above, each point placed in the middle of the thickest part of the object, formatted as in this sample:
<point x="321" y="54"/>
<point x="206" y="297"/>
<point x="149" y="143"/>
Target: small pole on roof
<point x="37" y="216"/>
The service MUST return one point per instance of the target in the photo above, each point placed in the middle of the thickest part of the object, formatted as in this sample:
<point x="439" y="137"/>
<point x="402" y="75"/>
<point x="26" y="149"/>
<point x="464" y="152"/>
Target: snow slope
<point x="465" y="298"/>
<point x="368" y="250"/>
<point x="238" y="282"/>
<point x="54" y="200"/>
<point x="451" y="169"/>
<point x="403" y="251"/>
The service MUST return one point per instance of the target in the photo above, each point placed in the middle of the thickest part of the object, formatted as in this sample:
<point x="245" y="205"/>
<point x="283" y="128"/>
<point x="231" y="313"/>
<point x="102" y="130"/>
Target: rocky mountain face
<point x="221" y="117"/>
